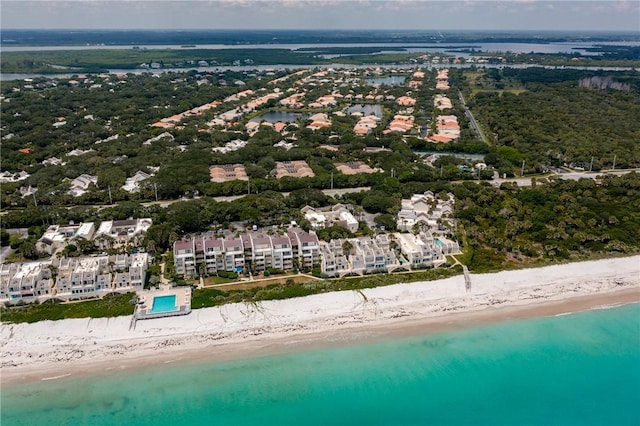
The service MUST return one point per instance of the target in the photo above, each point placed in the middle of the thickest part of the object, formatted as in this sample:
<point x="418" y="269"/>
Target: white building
<point x="58" y="236"/>
<point x="305" y="247"/>
<point x="72" y="278"/>
<point x="420" y="250"/>
<point x="121" y="232"/>
<point x="132" y="184"/>
<point x="13" y="177"/>
<point x="255" y="251"/>
<point x="432" y="211"/>
<point x="337" y="215"/>
<point x="25" y="281"/>
<point x="363" y="255"/>
<point x="80" y="185"/>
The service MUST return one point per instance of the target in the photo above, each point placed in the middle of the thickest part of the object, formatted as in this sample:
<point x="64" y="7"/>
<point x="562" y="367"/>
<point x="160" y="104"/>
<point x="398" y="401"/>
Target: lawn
<point x="111" y="305"/>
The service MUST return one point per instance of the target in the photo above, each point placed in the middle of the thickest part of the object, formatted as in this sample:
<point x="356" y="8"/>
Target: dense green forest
<point x="561" y="220"/>
<point x="548" y="118"/>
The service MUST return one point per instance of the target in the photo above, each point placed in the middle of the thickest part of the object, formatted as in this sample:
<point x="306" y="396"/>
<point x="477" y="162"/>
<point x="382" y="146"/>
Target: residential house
<point x="132" y="184"/>
<point x="338" y="215"/>
<point x="57" y="237"/>
<point x="405" y="101"/>
<point x="298" y="168"/>
<point x="435" y="213"/>
<point x="80" y="185"/>
<point x="227" y="172"/>
<point x="355" y="167"/>
<point x="121" y="232"/>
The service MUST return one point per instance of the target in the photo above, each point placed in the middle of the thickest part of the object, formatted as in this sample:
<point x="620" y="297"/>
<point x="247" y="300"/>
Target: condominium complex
<point x="382" y="253"/>
<point x="254" y="251"/>
<point x="258" y="251"/>
<point x="72" y="278"/>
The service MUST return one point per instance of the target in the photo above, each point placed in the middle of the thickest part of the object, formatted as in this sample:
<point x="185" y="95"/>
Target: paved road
<point x="329" y="192"/>
<point x="165" y="203"/>
<point x="4" y="253"/>
<point x="472" y="119"/>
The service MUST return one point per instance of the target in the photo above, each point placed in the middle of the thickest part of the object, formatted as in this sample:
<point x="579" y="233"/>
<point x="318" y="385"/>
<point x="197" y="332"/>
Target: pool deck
<point x="145" y="302"/>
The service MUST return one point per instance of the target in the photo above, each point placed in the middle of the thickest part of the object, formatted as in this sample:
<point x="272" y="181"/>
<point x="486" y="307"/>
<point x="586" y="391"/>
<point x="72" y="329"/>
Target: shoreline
<point x="52" y="350"/>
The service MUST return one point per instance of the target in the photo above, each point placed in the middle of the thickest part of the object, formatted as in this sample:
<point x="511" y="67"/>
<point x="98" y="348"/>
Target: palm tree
<point x="54" y="272"/>
<point x="347" y="247"/>
<point x="393" y="245"/>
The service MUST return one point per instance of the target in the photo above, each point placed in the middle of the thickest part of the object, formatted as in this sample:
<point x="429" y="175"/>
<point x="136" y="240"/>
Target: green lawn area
<point x="219" y="280"/>
<point x="111" y="305"/>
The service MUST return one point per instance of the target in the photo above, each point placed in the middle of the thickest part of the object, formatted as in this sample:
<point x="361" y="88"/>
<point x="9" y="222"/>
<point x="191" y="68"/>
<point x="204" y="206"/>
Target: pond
<point x="275" y="116"/>
<point x="394" y="80"/>
<point x="464" y="156"/>
<point x="366" y="110"/>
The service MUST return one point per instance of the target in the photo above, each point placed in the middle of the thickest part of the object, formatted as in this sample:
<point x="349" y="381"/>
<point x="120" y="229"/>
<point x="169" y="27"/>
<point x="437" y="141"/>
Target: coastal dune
<point x="52" y="349"/>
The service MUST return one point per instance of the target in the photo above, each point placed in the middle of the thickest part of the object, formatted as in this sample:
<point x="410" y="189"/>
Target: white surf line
<point x="56" y="377"/>
<point x="610" y="306"/>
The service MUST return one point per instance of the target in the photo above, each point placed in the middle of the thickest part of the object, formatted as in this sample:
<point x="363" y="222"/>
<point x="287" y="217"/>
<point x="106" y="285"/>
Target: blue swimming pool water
<point x="163" y="304"/>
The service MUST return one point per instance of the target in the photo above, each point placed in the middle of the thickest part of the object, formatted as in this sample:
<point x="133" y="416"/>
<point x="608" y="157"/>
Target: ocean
<point x="573" y="369"/>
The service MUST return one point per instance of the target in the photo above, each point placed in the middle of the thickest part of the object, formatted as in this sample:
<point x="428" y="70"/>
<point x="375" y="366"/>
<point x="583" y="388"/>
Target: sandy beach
<point x="53" y="349"/>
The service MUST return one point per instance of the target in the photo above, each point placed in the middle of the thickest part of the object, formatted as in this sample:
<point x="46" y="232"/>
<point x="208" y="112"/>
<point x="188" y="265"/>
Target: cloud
<point x="324" y="14"/>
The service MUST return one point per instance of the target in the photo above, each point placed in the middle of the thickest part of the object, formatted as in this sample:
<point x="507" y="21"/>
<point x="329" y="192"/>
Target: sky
<point x="594" y="15"/>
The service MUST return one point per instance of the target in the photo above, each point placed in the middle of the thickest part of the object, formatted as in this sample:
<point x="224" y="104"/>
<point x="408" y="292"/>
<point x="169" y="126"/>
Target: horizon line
<point x="329" y="29"/>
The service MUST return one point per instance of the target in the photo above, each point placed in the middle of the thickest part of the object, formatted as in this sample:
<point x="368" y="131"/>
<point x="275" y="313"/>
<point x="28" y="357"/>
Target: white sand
<point x="55" y="347"/>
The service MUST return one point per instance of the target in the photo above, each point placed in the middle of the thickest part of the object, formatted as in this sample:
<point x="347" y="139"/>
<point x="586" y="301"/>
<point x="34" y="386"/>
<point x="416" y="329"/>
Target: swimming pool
<point x="163" y="304"/>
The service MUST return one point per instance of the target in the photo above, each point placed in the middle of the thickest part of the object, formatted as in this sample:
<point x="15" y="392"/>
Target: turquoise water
<point x="163" y="304"/>
<point x="568" y="370"/>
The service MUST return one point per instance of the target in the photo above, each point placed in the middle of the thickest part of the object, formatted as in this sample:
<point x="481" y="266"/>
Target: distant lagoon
<point x="241" y="68"/>
<point x="564" y="47"/>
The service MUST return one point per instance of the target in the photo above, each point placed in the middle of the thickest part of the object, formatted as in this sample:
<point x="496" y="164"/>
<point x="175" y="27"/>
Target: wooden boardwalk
<point x="467" y="278"/>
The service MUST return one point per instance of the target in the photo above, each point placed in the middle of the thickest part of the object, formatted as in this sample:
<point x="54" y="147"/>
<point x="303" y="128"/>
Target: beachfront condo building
<point x="382" y="253"/>
<point x="257" y="251"/>
<point x="254" y="251"/>
<point x="72" y="278"/>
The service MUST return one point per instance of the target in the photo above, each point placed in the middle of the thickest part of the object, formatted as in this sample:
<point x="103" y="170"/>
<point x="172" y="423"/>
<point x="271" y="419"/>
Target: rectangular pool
<point x="163" y="304"/>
